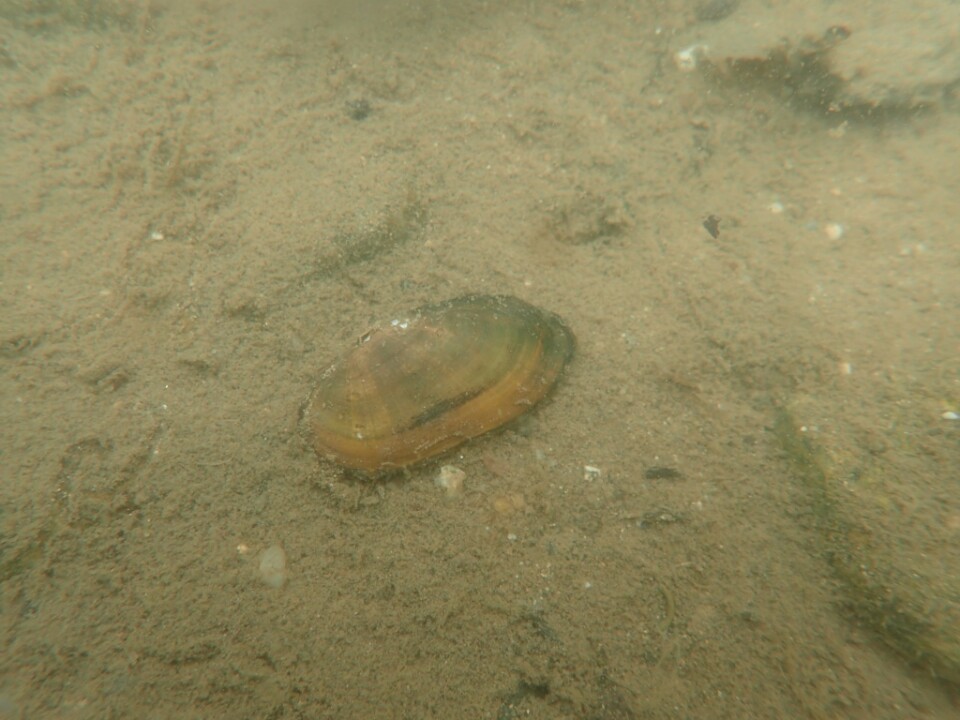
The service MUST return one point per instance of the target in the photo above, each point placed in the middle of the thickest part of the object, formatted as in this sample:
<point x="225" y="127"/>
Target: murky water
<point x="739" y="502"/>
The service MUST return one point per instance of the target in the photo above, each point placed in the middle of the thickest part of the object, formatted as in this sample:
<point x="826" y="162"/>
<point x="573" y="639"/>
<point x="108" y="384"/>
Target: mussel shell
<point x="429" y="380"/>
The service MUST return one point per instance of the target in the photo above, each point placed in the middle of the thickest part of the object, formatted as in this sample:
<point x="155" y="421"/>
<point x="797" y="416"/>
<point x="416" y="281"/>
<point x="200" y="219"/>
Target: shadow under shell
<point x="427" y="381"/>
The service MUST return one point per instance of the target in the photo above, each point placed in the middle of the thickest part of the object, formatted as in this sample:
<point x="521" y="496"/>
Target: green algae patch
<point x="891" y="559"/>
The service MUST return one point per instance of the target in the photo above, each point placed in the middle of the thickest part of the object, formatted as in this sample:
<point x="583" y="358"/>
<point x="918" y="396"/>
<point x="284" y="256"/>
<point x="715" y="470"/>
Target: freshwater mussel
<point x="426" y="381"/>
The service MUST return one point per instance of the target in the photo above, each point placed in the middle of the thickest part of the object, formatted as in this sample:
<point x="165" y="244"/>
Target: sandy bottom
<point x="203" y="204"/>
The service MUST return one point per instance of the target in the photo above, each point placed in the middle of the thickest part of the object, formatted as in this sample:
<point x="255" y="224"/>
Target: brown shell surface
<point x="427" y="381"/>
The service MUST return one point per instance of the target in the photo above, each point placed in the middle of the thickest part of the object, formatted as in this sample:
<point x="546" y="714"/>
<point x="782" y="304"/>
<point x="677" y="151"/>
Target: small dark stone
<point x="713" y="10"/>
<point x="359" y="109"/>
<point x="712" y="226"/>
<point x="661" y="472"/>
<point x="837" y="33"/>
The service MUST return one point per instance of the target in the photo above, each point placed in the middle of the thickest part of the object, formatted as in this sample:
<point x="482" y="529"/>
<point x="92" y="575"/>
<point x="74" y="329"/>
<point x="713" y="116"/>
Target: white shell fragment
<point x="273" y="566"/>
<point x="591" y="472"/>
<point x="833" y="230"/>
<point x="450" y="478"/>
<point x="686" y="59"/>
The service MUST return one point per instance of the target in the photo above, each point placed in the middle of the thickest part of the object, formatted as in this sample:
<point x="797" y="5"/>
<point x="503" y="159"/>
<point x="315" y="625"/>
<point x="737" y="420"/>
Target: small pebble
<point x="450" y="478"/>
<point x="591" y="472"/>
<point x="273" y="566"/>
<point x="509" y="504"/>
<point x="686" y="59"/>
<point x="661" y="472"/>
<point x="834" y="231"/>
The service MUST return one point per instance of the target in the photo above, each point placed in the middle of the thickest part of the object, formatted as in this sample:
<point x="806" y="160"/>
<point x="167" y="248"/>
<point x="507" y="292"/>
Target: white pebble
<point x="686" y="59"/>
<point x="834" y="231"/>
<point x="450" y="479"/>
<point x="273" y="566"/>
<point x="591" y="472"/>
